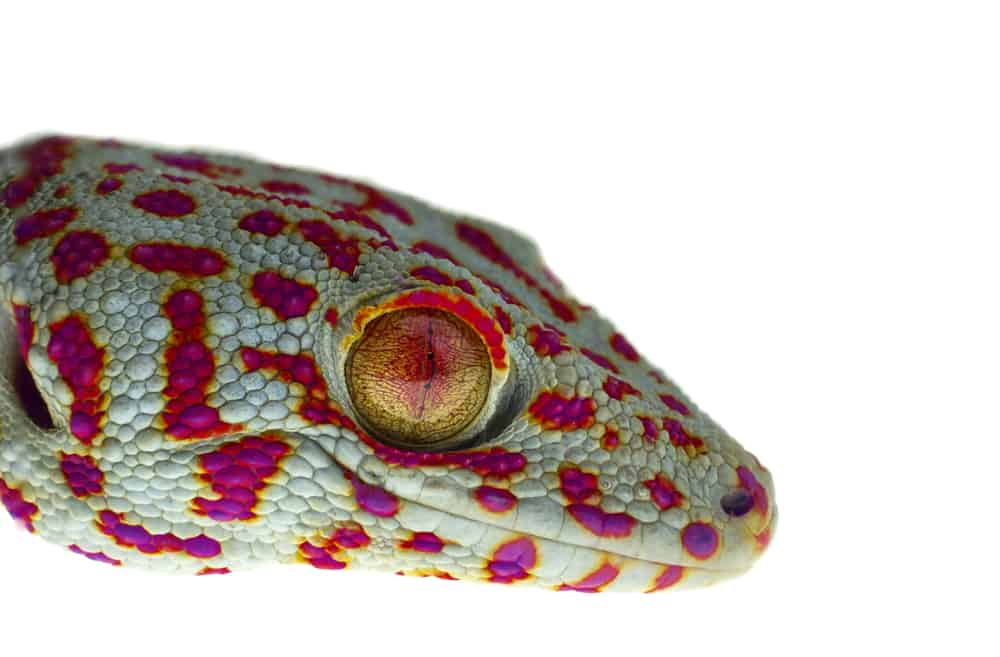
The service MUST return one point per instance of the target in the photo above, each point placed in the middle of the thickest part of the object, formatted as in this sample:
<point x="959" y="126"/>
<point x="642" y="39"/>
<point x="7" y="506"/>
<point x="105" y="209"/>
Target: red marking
<point x="319" y="557"/>
<point x="578" y="486"/>
<point x="489" y="249"/>
<point x="22" y="511"/>
<point x="331" y="316"/>
<point x="763" y="539"/>
<point x="184" y="260"/>
<point x="196" y="163"/>
<point x="503" y="319"/>
<point x="43" y="223"/>
<point x="513" y="561"/>
<point x="374" y="199"/>
<point x="165" y="203"/>
<point x="100" y="557"/>
<point x="601" y="523"/>
<point x="675" y="404"/>
<point x="759" y="494"/>
<point x="423" y="542"/>
<point x="184" y="180"/>
<point x="595" y="581"/>
<point x="352" y="216"/>
<point x="495" y="500"/>
<point x="264" y="222"/>
<point x="78" y="254"/>
<point x="285" y="296"/>
<point x="459" y="305"/>
<point x="556" y="412"/>
<point x="431" y="274"/>
<point x="239" y="190"/>
<point x="545" y="341"/>
<point x="624" y="347"/>
<point x="213" y="571"/>
<point x="237" y="472"/>
<point x="61" y="191"/>
<point x="494" y="462"/>
<point x="663" y="493"/>
<point x="190" y="365"/>
<point x="657" y="376"/>
<point x="669" y="576"/>
<point x="24" y="329"/>
<point x="136" y="536"/>
<point x="79" y="362"/>
<point x="375" y="500"/>
<point x="340" y="253"/>
<point x="700" y="540"/>
<point x="504" y="294"/>
<point x="610" y="440"/>
<point x="108" y="185"/>
<point x="649" y="430"/>
<point x="45" y="159"/>
<point x="434" y="250"/>
<point x="679" y="437"/>
<point x="82" y="475"/>
<point x="616" y="388"/>
<point x="115" y="167"/>
<point x="284" y="187"/>
<point x="350" y="537"/>
<point x="599" y="359"/>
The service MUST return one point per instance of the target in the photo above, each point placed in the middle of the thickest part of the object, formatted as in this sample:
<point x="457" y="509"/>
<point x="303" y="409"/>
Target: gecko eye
<point x="419" y="376"/>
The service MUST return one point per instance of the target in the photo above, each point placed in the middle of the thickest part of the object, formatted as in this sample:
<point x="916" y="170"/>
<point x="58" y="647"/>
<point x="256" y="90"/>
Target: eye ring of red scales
<point x="186" y="319"/>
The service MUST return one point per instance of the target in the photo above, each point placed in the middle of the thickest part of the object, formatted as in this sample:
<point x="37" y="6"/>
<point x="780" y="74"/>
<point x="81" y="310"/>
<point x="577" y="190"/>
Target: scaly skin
<point x="203" y="424"/>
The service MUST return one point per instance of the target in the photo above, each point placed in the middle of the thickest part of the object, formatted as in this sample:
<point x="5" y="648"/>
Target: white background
<point x="789" y="206"/>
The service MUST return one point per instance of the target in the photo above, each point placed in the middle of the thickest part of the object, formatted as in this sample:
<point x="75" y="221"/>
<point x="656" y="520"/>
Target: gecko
<point x="210" y="363"/>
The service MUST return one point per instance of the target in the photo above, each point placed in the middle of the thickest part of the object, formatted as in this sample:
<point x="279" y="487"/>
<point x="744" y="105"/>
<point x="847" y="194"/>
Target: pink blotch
<point x="169" y="203"/>
<point x="700" y="540"/>
<point x="595" y="581"/>
<point x="78" y="254"/>
<point x="495" y="500"/>
<point x="285" y="296"/>
<point x="513" y="561"/>
<point x="601" y="523"/>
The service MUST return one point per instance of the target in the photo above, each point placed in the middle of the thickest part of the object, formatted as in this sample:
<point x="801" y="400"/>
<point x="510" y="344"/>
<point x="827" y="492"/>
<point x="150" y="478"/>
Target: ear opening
<point x="15" y="370"/>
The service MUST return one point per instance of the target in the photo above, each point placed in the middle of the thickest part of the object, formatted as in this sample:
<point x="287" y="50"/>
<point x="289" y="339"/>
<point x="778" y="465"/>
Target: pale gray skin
<point x="153" y="480"/>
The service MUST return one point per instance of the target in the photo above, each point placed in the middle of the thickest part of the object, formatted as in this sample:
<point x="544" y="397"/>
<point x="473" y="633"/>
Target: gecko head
<point x="366" y="380"/>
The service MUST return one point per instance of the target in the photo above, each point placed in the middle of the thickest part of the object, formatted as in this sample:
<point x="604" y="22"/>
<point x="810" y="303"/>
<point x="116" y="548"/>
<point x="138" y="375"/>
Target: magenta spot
<point x="433" y="250"/>
<point x="431" y="274"/>
<point x="99" y="557"/>
<point x="340" y="253"/>
<point x="758" y="492"/>
<point x="599" y="359"/>
<point x="576" y="485"/>
<point x="125" y="167"/>
<point x="331" y="316"/>
<point x="165" y="203"/>
<point x="264" y="222"/>
<point x="503" y="319"/>
<point x="556" y="412"/>
<point x="675" y="404"/>
<point x="663" y="493"/>
<point x="350" y="538"/>
<point x="700" y="540"/>
<point x="24" y="329"/>
<point x="495" y="500"/>
<point x="679" y="437"/>
<point x="601" y="523"/>
<point x="374" y="500"/>
<point x="22" y="511"/>
<point x="649" y="430"/>
<point x="595" y="581"/>
<point x="82" y="475"/>
<point x="159" y="257"/>
<point x="669" y="576"/>
<point x="108" y="185"/>
<point x="286" y="297"/>
<point x="616" y="388"/>
<point x="513" y="561"/>
<point x="197" y="164"/>
<point x="207" y="570"/>
<point x="237" y="472"/>
<point x="624" y="347"/>
<point x="545" y="341"/>
<point x="80" y="363"/>
<point x="284" y="187"/>
<point x="610" y="440"/>
<point x="320" y="557"/>
<point x="43" y="223"/>
<point x="136" y="536"/>
<point x="78" y="254"/>
<point x="44" y="158"/>
<point x="423" y="542"/>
